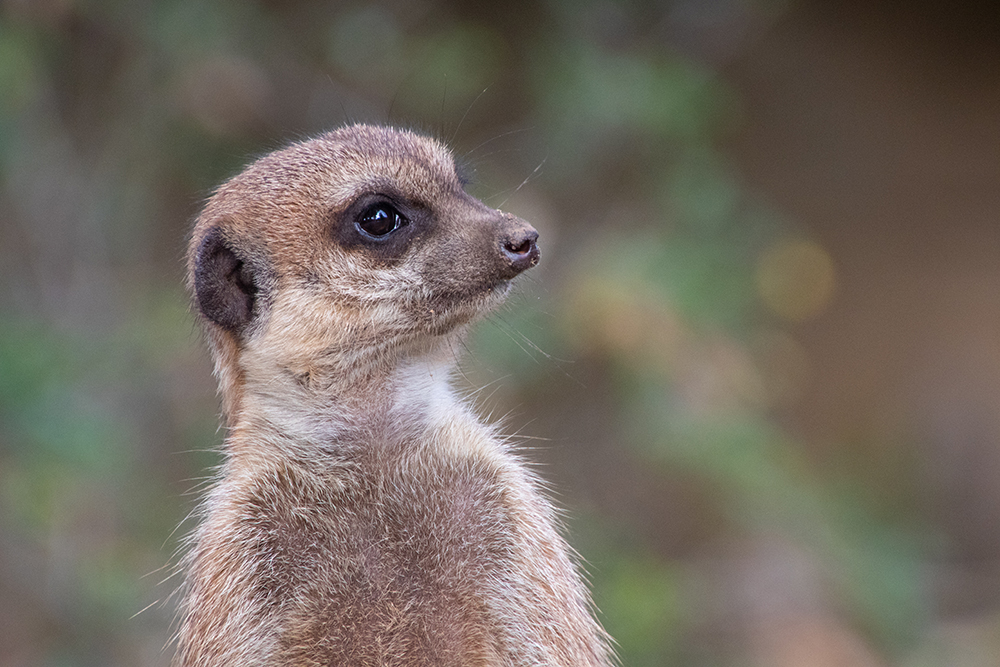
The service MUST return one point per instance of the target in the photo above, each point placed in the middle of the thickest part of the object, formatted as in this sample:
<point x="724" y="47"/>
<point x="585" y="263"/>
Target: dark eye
<point x="380" y="220"/>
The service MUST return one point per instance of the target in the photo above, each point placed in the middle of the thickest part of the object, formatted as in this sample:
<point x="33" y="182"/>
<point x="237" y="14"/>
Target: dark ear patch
<point x="225" y="286"/>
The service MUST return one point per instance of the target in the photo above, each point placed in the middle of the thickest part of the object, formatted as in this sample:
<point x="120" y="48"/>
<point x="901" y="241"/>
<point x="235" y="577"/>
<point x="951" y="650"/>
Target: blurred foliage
<point x="663" y="311"/>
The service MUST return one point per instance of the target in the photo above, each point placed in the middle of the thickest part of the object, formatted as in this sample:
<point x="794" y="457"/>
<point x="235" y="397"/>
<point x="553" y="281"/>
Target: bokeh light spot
<point x="795" y="279"/>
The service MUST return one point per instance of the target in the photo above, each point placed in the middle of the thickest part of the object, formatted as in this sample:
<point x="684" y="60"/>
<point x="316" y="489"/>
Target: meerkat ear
<point x="225" y="286"/>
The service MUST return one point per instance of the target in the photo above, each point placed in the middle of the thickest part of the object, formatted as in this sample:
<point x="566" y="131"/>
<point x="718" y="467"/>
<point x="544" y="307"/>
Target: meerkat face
<point x="361" y="240"/>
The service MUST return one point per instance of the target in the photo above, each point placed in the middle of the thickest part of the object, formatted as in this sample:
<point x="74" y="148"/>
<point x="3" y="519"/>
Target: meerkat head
<point x="339" y="256"/>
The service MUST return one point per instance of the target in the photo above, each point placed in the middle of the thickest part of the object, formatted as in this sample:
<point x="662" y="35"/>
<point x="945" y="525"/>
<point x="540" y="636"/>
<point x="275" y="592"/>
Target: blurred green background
<point x="760" y="360"/>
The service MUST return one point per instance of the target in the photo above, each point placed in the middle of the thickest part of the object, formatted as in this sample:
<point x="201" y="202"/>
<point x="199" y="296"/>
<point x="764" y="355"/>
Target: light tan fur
<point x="364" y="515"/>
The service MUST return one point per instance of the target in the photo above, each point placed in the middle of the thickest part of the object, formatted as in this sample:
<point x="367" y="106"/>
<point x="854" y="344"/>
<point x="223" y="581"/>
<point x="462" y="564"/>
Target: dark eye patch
<point x="381" y="223"/>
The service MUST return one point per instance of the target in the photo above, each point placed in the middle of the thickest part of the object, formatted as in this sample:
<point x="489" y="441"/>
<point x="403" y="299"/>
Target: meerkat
<point x="363" y="515"/>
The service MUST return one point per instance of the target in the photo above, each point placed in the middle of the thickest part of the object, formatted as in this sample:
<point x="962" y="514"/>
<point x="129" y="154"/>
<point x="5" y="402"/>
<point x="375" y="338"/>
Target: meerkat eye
<point x="381" y="220"/>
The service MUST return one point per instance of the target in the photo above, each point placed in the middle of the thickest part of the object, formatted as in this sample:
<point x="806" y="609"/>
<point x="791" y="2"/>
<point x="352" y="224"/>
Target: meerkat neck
<point x="313" y="409"/>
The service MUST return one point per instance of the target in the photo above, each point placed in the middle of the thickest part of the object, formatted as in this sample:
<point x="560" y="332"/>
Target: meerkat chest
<point x="399" y="561"/>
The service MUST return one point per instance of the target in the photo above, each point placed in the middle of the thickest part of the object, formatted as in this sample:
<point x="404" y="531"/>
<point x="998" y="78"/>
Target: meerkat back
<point x="363" y="514"/>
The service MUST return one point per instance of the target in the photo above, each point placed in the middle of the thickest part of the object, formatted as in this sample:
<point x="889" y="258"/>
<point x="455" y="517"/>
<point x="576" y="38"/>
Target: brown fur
<point x="364" y="515"/>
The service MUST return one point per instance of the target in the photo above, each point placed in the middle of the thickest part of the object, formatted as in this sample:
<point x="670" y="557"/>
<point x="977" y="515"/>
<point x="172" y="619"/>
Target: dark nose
<point x="519" y="247"/>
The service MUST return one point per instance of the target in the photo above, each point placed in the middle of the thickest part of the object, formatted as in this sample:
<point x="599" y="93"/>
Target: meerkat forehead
<point x="329" y="172"/>
<point x="371" y="156"/>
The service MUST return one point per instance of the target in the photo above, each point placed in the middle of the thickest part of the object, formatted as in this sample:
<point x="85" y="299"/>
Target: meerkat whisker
<point x="466" y="114"/>
<point x="524" y="182"/>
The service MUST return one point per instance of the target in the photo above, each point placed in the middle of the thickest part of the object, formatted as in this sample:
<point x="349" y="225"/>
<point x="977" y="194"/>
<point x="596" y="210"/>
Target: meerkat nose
<point x="520" y="249"/>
